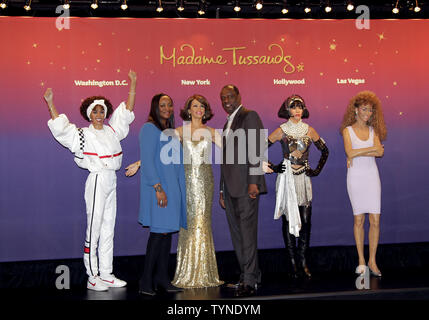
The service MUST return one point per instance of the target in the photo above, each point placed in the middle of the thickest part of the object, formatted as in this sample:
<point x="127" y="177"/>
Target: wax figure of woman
<point x="162" y="192"/>
<point x="97" y="148"/>
<point x="196" y="260"/>
<point x="296" y="137"/>
<point x="363" y="129"/>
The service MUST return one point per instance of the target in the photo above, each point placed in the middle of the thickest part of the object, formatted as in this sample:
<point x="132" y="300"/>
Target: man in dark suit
<point x="242" y="181"/>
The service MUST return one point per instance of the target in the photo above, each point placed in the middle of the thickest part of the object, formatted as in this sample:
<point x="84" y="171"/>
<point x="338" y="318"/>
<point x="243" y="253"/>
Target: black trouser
<point x="156" y="261"/>
<point x="242" y="216"/>
<point x="293" y="250"/>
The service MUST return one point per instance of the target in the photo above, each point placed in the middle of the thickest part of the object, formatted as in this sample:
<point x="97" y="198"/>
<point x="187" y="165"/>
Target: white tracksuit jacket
<point x="100" y="152"/>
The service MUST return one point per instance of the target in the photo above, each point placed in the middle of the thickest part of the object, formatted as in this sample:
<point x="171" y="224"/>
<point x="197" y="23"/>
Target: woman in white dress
<point x="363" y="129"/>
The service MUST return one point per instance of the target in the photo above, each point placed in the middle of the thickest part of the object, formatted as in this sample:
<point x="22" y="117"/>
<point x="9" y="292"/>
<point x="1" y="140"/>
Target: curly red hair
<point x="377" y="118"/>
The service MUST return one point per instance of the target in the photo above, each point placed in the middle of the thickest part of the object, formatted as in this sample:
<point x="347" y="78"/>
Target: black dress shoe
<point x="148" y="292"/>
<point x="234" y="286"/>
<point x="169" y="288"/>
<point x="245" y="291"/>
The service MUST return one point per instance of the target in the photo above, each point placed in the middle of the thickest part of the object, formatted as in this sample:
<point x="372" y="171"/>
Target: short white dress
<point x="363" y="179"/>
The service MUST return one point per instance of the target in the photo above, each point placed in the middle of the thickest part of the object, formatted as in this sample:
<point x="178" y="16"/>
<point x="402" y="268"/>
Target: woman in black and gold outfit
<point x="293" y="186"/>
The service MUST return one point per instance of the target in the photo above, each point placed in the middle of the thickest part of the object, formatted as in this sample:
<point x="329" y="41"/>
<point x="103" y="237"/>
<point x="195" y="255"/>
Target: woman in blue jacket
<point x="162" y="192"/>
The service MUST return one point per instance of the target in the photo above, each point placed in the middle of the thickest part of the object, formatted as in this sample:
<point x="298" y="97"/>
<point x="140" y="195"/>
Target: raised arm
<point x="132" y="93"/>
<point x="49" y="98"/>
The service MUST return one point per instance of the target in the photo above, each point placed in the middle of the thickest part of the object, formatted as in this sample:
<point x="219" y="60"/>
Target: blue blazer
<point x="161" y="162"/>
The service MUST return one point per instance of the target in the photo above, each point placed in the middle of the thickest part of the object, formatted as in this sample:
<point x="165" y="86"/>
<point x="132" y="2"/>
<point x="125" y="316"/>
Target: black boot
<point x="290" y="245"/>
<point x="304" y="238"/>
<point x="152" y="255"/>
<point x="161" y="279"/>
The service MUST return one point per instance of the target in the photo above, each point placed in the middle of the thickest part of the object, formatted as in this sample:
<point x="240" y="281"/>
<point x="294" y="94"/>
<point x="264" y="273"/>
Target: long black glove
<point x="280" y="168"/>
<point x="320" y="144"/>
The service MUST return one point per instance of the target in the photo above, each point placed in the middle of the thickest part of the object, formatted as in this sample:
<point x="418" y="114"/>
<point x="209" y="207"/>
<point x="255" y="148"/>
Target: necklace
<point x="295" y="130"/>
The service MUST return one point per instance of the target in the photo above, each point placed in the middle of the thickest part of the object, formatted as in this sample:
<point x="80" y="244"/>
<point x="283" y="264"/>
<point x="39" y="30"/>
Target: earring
<point x="204" y="116"/>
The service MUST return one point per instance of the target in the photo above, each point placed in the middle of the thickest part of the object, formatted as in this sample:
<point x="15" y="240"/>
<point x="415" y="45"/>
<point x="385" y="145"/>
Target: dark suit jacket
<point x="246" y="147"/>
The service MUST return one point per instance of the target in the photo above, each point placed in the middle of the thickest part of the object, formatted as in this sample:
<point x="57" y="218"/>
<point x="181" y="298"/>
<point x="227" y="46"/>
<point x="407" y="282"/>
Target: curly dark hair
<point x="377" y="118"/>
<point x="86" y="103"/>
<point x="208" y="113"/>
<point x="293" y="101"/>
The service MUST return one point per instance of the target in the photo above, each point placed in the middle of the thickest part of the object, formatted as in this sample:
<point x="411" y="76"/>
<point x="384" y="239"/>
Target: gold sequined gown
<point x="196" y="260"/>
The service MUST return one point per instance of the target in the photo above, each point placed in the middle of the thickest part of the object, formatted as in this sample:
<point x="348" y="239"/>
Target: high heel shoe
<point x="360" y="269"/>
<point x="373" y="273"/>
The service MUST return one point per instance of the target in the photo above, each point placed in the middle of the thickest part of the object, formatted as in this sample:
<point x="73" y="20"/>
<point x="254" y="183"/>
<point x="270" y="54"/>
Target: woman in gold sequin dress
<point x="196" y="260"/>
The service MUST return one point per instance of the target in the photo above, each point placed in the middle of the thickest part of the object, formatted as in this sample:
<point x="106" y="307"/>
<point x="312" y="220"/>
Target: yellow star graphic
<point x="118" y="70"/>
<point x="346" y="60"/>
<point x="395" y="83"/>
<point x="332" y="46"/>
<point x="42" y="84"/>
<point x="35" y="45"/>
<point x="98" y="60"/>
<point x="300" y="67"/>
<point x="321" y="73"/>
<point x="381" y="36"/>
<point x="282" y="39"/>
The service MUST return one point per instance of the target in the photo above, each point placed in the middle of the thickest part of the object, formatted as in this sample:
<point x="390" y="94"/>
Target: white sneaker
<point x="111" y="281"/>
<point x="95" y="283"/>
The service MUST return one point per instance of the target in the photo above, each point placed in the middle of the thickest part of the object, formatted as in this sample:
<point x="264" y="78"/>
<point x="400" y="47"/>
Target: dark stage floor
<point x="394" y="285"/>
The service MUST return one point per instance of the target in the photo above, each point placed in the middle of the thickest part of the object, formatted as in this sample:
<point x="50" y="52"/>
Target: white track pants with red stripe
<point x="100" y="198"/>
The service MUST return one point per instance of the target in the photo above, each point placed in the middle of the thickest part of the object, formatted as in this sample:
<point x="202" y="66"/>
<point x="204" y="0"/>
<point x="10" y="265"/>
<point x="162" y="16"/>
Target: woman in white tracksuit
<point x="98" y="149"/>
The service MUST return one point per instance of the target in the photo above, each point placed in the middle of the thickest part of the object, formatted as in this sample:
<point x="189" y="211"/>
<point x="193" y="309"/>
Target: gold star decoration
<point x="254" y="41"/>
<point x="128" y="49"/>
<point x="83" y="52"/>
<point x="282" y="39"/>
<point x="360" y="45"/>
<point x="300" y="67"/>
<point x="226" y="73"/>
<point x="35" y="45"/>
<point x="321" y="73"/>
<point x="356" y="70"/>
<point x="381" y="36"/>
<point x="395" y="83"/>
<point x="98" y="60"/>
<point x="100" y="44"/>
<point x="401" y="113"/>
<point x="42" y="84"/>
<point x="332" y="46"/>
<point x="28" y="62"/>
<point x="346" y="60"/>
<point x="118" y="70"/>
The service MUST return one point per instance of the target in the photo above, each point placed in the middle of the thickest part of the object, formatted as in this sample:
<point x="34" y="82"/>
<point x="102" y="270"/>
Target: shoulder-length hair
<point x="154" y="113"/>
<point x="376" y="120"/>
<point x="208" y="113"/>
<point x="87" y="102"/>
<point x="293" y="101"/>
